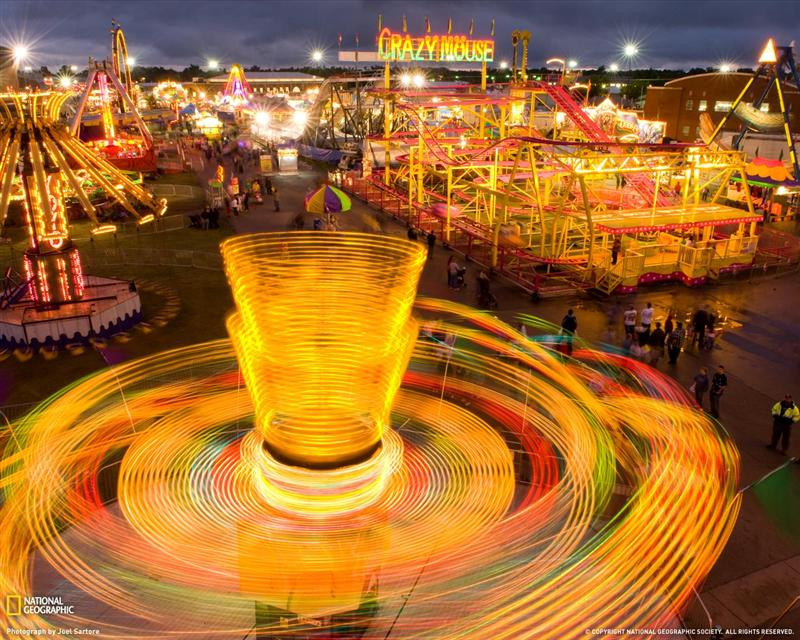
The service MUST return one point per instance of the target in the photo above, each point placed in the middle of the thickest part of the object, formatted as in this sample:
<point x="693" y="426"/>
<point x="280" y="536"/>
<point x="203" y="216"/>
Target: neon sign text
<point x="402" y="47"/>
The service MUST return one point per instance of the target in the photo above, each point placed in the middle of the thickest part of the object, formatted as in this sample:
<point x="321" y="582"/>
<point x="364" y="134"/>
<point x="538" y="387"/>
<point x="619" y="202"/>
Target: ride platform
<point x="107" y="307"/>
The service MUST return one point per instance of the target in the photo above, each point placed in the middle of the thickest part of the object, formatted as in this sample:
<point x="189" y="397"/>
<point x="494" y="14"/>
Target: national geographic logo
<point x="13" y="605"/>
<point x="17" y="605"/>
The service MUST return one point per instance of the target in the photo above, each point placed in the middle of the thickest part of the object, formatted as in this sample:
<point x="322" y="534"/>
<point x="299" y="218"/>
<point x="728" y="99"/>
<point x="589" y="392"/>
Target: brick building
<point x="680" y="102"/>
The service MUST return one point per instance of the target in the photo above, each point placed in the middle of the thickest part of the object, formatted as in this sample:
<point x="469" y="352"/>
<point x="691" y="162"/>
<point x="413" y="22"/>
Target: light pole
<point x="630" y="51"/>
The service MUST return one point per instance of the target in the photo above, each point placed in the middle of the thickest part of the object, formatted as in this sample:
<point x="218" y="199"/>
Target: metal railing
<point x="132" y="228"/>
<point x="169" y="190"/>
<point x="153" y="257"/>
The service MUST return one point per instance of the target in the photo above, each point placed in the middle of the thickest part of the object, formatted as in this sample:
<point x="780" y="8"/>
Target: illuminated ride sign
<point x="402" y="47"/>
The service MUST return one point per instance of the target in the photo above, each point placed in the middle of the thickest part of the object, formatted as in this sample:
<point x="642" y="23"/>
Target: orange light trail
<point x="494" y="516"/>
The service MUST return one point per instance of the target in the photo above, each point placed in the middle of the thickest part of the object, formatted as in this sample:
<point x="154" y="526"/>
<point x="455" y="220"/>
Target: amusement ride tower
<point x="125" y="139"/>
<point x="40" y="162"/>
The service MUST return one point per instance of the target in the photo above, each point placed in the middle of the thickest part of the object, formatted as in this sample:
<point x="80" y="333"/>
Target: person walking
<point x="669" y="324"/>
<point x="699" y="322"/>
<point x="646" y="317"/>
<point x="452" y="272"/>
<point x="711" y="321"/>
<point x="675" y="342"/>
<point x="615" y="249"/>
<point x="700" y="386"/>
<point x="629" y="320"/>
<point x="569" y="325"/>
<point x="235" y="205"/>
<point x="412" y="234"/>
<point x="784" y="414"/>
<point x="719" y="382"/>
<point x="431" y="238"/>
<point x="275" y="199"/>
<point x="642" y="335"/>
<point x="486" y="299"/>
<point x="656" y="342"/>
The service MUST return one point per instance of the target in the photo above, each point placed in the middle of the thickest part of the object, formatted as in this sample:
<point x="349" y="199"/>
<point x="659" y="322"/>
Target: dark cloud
<point x="277" y="33"/>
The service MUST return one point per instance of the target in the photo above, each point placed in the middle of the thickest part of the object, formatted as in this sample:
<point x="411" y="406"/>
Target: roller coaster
<point x="523" y="181"/>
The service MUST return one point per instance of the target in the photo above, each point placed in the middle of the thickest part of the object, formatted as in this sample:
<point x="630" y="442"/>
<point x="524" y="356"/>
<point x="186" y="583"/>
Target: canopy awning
<point x="671" y="219"/>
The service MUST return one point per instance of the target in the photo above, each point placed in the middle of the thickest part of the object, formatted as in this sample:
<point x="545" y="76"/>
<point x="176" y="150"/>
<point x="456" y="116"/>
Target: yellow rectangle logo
<point x="13" y="605"/>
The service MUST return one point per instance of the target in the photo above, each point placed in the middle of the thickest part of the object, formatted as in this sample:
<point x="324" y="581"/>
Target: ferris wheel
<point x="119" y="58"/>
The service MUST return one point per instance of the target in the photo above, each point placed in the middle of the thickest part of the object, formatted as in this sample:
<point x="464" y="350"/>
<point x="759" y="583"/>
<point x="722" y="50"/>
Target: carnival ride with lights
<point x="345" y="113"/>
<point x="368" y="480"/>
<point x="523" y="180"/>
<point x="107" y="118"/>
<point x="237" y="92"/>
<point x="170" y="94"/>
<point x="40" y="164"/>
<point x="778" y="67"/>
<point x="625" y="126"/>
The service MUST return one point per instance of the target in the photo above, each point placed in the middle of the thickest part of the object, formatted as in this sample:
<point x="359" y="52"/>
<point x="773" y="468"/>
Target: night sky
<point x="670" y="34"/>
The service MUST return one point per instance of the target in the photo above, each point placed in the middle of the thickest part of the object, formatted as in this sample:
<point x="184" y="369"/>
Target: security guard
<point x="784" y="414"/>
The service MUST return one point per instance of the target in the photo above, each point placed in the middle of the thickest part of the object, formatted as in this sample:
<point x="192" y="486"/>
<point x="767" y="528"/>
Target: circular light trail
<point x="522" y="494"/>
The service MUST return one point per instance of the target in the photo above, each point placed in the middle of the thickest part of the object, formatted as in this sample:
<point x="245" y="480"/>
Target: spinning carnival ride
<point x="365" y="481"/>
<point x="107" y="118"/>
<point x="40" y="164"/>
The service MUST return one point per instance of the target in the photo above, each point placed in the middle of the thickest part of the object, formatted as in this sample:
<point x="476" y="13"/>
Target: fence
<point x="132" y="228"/>
<point x="153" y="257"/>
<point x="91" y="256"/>
<point x="177" y="191"/>
<point x="779" y="247"/>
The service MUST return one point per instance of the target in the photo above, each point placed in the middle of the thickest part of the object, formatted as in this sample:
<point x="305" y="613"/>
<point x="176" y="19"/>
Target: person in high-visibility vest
<point x="784" y="414"/>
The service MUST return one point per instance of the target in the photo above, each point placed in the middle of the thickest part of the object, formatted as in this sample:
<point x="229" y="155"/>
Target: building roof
<point x="729" y="75"/>
<point x="271" y="76"/>
<point x="672" y="218"/>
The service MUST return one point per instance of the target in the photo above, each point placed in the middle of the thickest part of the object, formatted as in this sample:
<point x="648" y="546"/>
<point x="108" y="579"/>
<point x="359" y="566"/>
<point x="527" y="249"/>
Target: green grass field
<point x="204" y="298"/>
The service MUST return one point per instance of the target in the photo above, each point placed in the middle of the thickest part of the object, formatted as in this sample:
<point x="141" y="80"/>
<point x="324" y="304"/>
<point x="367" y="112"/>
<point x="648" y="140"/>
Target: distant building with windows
<point x="680" y="102"/>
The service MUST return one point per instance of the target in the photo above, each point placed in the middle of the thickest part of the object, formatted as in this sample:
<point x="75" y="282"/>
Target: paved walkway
<point x="758" y="574"/>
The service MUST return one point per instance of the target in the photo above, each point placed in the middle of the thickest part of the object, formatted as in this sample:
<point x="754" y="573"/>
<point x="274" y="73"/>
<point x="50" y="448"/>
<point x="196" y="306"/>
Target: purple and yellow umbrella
<point x="327" y="199"/>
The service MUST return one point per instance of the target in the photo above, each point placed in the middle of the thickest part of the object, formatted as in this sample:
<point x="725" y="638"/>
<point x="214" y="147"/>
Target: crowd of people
<point x="646" y="340"/>
<point x="649" y="340"/>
